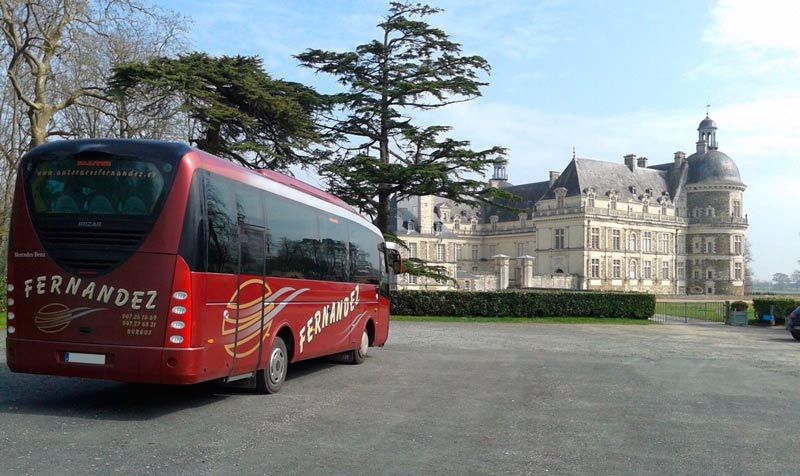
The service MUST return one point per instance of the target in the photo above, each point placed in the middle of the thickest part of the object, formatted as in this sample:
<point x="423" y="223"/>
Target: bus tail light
<point x="179" y="320"/>
<point x="10" y="296"/>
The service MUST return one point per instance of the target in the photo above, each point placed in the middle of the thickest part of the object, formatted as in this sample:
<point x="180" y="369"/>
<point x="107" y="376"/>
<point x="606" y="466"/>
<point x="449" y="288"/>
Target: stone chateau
<point x="670" y="228"/>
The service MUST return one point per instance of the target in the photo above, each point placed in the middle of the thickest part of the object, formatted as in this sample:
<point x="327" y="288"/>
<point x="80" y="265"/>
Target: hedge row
<point x="783" y="306"/>
<point x="523" y="304"/>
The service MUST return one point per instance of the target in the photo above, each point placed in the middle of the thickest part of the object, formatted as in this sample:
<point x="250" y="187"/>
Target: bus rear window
<point x="98" y="185"/>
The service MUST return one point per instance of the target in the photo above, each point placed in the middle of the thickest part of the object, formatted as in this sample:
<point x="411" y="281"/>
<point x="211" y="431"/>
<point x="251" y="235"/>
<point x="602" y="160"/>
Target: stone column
<point x="501" y="261"/>
<point x="527" y="270"/>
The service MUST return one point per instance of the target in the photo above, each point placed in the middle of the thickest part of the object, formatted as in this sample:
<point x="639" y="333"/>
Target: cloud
<point x="751" y="39"/>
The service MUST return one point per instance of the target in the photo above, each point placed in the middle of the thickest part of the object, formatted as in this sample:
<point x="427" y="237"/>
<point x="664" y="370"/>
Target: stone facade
<point x="672" y="228"/>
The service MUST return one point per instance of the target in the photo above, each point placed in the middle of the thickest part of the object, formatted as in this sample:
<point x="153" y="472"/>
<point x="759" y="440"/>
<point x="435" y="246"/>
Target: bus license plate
<point x="79" y="358"/>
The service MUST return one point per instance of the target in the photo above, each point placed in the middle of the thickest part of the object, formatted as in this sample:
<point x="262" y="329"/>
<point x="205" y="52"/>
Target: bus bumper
<point x="122" y="363"/>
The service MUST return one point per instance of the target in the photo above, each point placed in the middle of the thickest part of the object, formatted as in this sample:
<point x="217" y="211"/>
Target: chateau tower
<point x="717" y="225"/>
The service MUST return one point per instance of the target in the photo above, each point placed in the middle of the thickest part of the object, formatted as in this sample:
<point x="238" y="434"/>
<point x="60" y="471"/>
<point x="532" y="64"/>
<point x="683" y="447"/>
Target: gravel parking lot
<point x="447" y="399"/>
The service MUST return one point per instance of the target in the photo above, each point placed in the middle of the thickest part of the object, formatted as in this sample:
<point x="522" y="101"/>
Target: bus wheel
<point x="357" y="356"/>
<point x="271" y="378"/>
<point x="796" y="335"/>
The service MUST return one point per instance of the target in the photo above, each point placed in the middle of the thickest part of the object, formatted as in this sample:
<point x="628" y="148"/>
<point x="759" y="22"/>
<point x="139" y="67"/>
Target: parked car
<point x="793" y="323"/>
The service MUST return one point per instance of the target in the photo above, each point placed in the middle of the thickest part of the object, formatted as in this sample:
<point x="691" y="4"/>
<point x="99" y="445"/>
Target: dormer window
<point x="561" y="193"/>
<point x="411" y="226"/>
<point x="457" y="224"/>
<point x="437" y="227"/>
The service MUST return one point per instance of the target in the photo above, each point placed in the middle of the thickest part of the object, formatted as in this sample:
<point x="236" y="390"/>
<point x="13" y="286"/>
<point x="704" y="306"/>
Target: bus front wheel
<point x="357" y="356"/>
<point x="271" y="378"/>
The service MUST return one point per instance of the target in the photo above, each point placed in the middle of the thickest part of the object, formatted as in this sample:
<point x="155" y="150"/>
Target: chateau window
<point x="613" y="203"/>
<point x="616" y="271"/>
<point x="560" y="201"/>
<point x="737" y="245"/>
<point x="648" y="269"/>
<point x="457" y="226"/>
<point x="710" y="212"/>
<point x="737" y="271"/>
<point x="437" y="227"/>
<point x="559" y="238"/>
<point x="520" y="249"/>
<point x="697" y="213"/>
<point x="632" y="271"/>
<point x="458" y="251"/>
<point x="594" y="239"/>
<point x="647" y="242"/>
<point x="737" y="208"/>
<point x="664" y="208"/>
<point x="710" y="248"/>
<point x="696" y="246"/>
<point x="681" y="270"/>
<point x="696" y="274"/>
<point x="615" y="240"/>
<point x="665" y="270"/>
<point x="590" y="201"/>
<point x="595" y="268"/>
<point x="663" y="243"/>
<point x="411" y="225"/>
<point x="681" y="245"/>
<point x="412" y="250"/>
<point x="646" y="207"/>
<point x="474" y="225"/>
<point x="632" y="242"/>
<point x="709" y="274"/>
<point x="492" y="250"/>
<point x="466" y="285"/>
<point x="412" y="279"/>
<point x="475" y="252"/>
<point x="474" y="269"/>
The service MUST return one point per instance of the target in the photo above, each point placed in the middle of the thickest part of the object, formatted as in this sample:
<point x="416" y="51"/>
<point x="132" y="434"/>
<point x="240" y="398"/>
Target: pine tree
<point x="241" y="113"/>
<point x="412" y="67"/>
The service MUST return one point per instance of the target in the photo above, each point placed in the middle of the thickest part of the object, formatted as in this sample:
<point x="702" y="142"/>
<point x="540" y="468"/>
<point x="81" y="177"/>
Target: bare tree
<point x="58" y="47"/>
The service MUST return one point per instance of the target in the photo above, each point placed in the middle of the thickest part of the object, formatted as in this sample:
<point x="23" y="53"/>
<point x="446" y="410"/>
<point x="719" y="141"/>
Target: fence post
<point x="685" y="312"/>
<point x="727" y="317"/>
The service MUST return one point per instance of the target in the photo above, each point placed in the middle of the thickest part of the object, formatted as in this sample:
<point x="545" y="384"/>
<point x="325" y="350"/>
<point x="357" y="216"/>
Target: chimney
<point x="554" y="176"/>
<point x="680" y="158"/>
<point x="630" y="161"/>
<point x="642" y="162"/>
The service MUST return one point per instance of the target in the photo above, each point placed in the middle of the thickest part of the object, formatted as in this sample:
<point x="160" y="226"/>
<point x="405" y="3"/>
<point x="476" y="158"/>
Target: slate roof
<point x="529" y="194"/>
<point x="713" y="166"/>
<point x="582" y="174"/>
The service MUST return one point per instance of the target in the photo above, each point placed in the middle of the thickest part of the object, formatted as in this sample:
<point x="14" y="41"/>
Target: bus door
<point x="252" y="304"/>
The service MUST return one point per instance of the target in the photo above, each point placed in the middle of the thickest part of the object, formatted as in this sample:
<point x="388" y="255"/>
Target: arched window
<point x="632" y="270"/>
<point x="632" y="242"/>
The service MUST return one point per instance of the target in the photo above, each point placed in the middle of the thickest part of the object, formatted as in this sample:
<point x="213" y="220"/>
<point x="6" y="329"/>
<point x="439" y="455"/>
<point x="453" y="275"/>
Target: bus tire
<point x="796" y="335"/>
<point x="271" y="377"/>
<point x="357" y="356"/>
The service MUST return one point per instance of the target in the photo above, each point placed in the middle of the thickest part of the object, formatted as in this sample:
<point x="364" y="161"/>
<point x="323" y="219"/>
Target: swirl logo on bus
<point x="242" y="318"/>
<point x="55" y="317"/>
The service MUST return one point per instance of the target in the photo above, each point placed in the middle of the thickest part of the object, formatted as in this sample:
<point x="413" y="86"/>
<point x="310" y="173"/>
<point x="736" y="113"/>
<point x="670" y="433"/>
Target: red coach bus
<point x="153" y="262"/>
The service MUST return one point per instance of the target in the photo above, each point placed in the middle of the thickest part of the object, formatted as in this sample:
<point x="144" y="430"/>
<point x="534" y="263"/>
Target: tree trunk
<point x="383" y="220"/>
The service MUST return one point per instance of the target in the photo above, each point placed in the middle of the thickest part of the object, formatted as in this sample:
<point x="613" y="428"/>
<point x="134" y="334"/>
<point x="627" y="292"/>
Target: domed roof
<point x="712" y="166"/>
<point x="707" y="123"/>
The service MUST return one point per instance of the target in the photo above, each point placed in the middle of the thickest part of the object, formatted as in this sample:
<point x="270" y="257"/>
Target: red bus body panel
<point x="233" y="322"/>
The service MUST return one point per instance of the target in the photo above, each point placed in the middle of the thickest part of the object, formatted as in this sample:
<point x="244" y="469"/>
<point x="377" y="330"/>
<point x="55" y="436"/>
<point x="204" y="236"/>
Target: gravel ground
<point x="442" y="398"/>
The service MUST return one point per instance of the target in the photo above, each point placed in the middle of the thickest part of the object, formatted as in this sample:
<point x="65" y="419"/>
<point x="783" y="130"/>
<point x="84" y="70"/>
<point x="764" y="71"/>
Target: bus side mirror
<point x="396" y="262"/>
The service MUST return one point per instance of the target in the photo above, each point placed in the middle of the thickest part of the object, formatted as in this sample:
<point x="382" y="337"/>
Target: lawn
<point x="525" y="320"/>
<point x="2" y="319"/>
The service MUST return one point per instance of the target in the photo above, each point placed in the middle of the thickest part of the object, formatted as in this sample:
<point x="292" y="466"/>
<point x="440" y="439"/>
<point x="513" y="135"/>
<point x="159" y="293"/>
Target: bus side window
<point x="250" y="213"/>
<point x="293" y="235"/>
<point x="364" y="258"/>
<point x="334" y="257"/>
<point x="223" y="256"/>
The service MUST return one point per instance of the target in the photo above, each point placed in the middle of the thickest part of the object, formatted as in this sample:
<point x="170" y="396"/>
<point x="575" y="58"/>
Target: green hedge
<point x="523" y="304"/>
<point x="783" y="306"/>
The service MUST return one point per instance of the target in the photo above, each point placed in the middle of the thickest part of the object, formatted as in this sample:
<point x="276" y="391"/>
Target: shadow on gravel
<point x="104" y="400"/>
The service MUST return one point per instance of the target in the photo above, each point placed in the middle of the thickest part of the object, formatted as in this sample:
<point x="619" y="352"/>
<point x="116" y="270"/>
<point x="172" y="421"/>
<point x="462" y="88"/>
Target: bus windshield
<point x="98" y="185"/>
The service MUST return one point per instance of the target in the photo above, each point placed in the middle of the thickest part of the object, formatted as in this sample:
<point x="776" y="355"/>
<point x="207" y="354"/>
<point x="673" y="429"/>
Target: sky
<point x="608" y="78"/>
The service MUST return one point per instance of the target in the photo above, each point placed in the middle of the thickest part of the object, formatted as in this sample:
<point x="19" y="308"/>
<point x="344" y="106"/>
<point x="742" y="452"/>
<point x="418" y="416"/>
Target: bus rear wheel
<point x="357" y="356"/>
<point x="796" y="335"/>
<point x="271" y="378"/>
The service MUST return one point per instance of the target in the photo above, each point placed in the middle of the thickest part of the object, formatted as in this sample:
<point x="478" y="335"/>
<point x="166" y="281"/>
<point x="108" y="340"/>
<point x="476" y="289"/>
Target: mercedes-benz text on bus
<point x="154" y="262"/>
